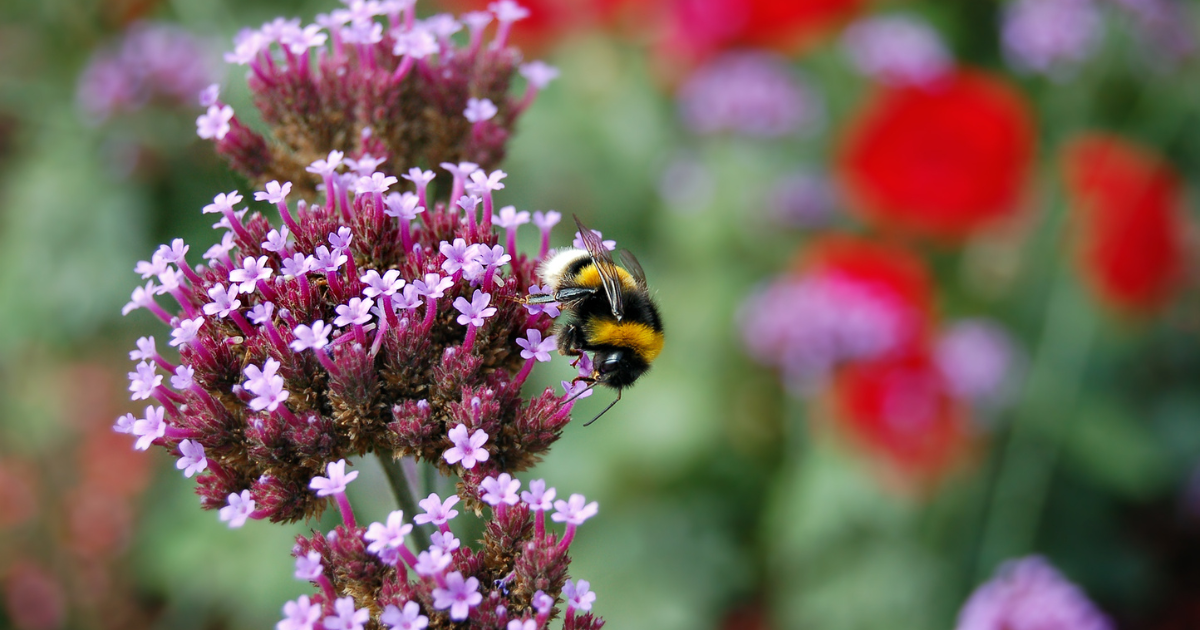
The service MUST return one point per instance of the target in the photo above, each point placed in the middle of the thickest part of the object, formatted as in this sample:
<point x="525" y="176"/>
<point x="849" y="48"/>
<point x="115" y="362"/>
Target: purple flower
<point x="475" y="311"/>
<point x="277" y="240"/>
<point x="348" y="617"/>
<point x="482" y="184"/>
<point x="444" y="541"/>
<point x="336" y="482"/>
<point x="546" y="220"/>
<point x="433" y="286"/>
<point x="327" y="261"/>
<point x="274" y="192"/>
<point x="251" y="272"/>
<point x="538" y="73"/>
<point x="897" y="49"/>
<point x="298" y="265"/>
<point x="976" y="359"/>
<point x="502" y="489"/>
<point x="538" y="497"/>
<point x="408" y="299"/>
<point x="143" y="382"/>
<point x="308" y="566"/>
<point x="266" y="385"/>
<point x="364" y="166"/>
<point x="573" y="511"/>
<point x="517" y="624"/>
<point x="459" y="596"/>
<point x="417" y="44"/>
<point x="479" y="110"/>
<point x="508" y="217"/>
<point x="192" y="460"/>
<point x="315" y="336"/>
<point x="578" y="596"/>
<point x="577" y="242"/>
<point x="469" y="202"/>
<point x="461" y="170"/>
<point x="184" y="378"/>
<point x="468" y="450"/>
<point x="536" y="347"/>
<point x="224" y="301"/>
<point x="341" y="239"/>
<point x="389" y="536"/>
<point x="1051" y="37"/>
<point x="437" y="511"/>
<point x="142" y="297"/>
<point x="458" y="255"/>
<point x="387" y="284"/>
<point x="376" y="183"/>
<point x="185" y="332"/>
<point x="803" y="199"/>
<point x="1030" y="594"/>
<point x="357" y="311"/>
<point x="419" y="177"/>
<point x="125" y="424"/>
<point x="408" y="618"/>
<point x="214" y="123"/>
<point x="575" y="390"/>
<point x="261" y="313"/>
<point x="220" y="250"/>
<point x="150" y="428"/>
<point x="223" y="202"/>
<point x="432" y="562"/>
<point x="239" y="508"/>
<point x="299" y="615"/>
<point x="328" y="166"/>
<point x="748" y="93"/>
<point x="508" y="11"/>
<point x="404" y="206"/>
<point x="542" y="603"/>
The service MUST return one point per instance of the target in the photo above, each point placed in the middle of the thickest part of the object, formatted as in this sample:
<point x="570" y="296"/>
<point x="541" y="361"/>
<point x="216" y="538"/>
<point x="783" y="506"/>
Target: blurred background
<point x="927" y="271"/>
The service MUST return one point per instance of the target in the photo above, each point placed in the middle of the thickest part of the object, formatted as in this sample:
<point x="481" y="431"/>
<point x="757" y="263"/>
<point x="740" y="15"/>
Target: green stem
<point x="1041" y="424"/>
<point x="406" y="495"/>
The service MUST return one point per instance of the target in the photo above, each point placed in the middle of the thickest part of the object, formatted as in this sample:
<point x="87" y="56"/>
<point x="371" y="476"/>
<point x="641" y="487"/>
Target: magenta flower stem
<point x="487" y="278"/>
<point x="487" y="210"/>
<point x="273" y="335"/>
<point x="568" y="536"/>
<point x="406" y="64"/>
<point x="172" y="396"/>
<point x="359" y="335"/>
<point x="430" y="312"/>
<point x="188" y="272"/>
<point x="405" y="237"/>
<point x="240" y="320"/>
<point x="286" y="214"/>
<point x="344" y="507"/>
<point x="327" y="362"/>
<point x="164" y="364"/>
<point x="471" y="222"/>
<point x="158" y="310"/>
<point x="510" y="239"/>
<point x="469" y="340"/>
<point x="287" y="415"/>
<point x="330" y="193"/>
<point x="188" y="308"/>
<point x="519" y="379"/>
<point x="267" y="291"/>
<point x="539" y="525"/>
<point x="335" y="283"/>
<point x="545" y="244"/>
<point x="456" y="192"/>
<point x="408" y="556"/>
<point x="237" y="226"/>
<point x="501" y="35"/>
<point x="344" y="201"/>
<point x="422" y="200"/>
<point x="385" y="302"/>
<point x="526" y="101"/>
<point x="326" y="587"/>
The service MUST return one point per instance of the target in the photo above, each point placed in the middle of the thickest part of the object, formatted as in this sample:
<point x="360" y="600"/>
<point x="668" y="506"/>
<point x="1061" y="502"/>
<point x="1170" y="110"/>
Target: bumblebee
<point x="605" y="309"/>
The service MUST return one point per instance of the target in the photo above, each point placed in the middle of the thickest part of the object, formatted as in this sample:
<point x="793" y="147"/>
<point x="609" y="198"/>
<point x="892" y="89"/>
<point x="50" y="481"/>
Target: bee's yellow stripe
<point x="638" y="337"/>
<point x="589" y="276"/>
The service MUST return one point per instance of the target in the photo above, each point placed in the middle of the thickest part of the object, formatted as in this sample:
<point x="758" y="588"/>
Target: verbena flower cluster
<point x="512" y="582"/>
<point x="897" y="49"/>
<point x="1030" y="594"/>
<point x="370" y="319"/>
<point x="372" y="81"/>
<point x="150" y="63"/>
<point x="748" y="93"/>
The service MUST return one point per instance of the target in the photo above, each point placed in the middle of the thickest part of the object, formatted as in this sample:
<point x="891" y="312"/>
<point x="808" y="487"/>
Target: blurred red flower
<point x="1128" y="203"/>
<point x="942" y="161"/>
<point x="549" y="21"/>
<point x="899" y="410"/>
<point x="697" y="29"/>
<point x="887" y="267"/>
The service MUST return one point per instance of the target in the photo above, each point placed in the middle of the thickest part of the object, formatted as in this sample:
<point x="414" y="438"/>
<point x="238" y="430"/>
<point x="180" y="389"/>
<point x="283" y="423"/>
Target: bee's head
<point x="617" y="368"/>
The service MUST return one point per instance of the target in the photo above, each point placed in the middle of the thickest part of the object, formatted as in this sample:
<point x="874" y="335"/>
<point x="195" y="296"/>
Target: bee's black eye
<point x="611" y="363"/>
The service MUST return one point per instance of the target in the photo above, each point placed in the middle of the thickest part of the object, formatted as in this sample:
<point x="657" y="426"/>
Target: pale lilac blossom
<point x="308" y="566"/>
<point x="348" y="617"/>
<point x="408" y="618"/>
<point x="239" y="508"/>
<point x="437" y="511"/>
<point x="458" y="595"/>
<point x="335" y="482"/>
<point x="192" y="458"/>
<point x="150" y="428"/>
<point x="213" y="124"/>
<point x="468" y="450"/>
<point x="538" y="497"/>
<point x="498" y="490"/>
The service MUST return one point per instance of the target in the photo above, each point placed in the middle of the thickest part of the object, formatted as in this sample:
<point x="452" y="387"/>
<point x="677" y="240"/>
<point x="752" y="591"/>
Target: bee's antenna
<point x="610" y="406"/>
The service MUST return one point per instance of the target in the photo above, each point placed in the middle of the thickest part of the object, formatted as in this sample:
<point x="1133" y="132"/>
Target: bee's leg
<point x="570" y="294"/>
<point x="570" y="340"/>
<point x="537" y="298"/>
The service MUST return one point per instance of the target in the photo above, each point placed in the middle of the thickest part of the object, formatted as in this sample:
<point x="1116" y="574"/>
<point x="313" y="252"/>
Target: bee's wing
<point x="634" y="268"/>
<point x="605" y="266"/>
